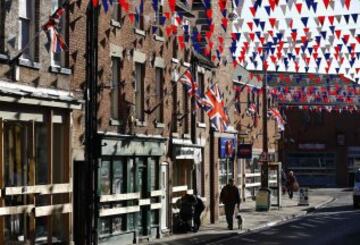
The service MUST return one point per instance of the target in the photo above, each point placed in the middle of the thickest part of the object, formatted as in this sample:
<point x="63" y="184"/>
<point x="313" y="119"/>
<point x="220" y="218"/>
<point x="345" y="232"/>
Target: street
<point x="335" y="223"/>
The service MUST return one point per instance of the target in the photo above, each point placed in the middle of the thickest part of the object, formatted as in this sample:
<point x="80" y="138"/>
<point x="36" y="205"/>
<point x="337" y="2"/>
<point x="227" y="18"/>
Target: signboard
<point x="184" y="152"/>
<point x="227" y="147"/>
<point x="245" y="151"/>
<point x="304" y="196"/>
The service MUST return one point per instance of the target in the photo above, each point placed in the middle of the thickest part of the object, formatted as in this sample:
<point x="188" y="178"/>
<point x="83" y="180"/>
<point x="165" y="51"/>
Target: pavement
<point x="252" y="220"/>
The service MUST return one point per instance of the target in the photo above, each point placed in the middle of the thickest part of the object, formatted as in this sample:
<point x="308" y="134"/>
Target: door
<point x="164" y="197"/>
<point x="142" y="182"/>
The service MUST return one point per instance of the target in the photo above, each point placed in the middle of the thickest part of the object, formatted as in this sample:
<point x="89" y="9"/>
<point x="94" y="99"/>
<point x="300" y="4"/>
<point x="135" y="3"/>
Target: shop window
<point x="159" y="94"/>
<point x="115" y="87"/>
<point x="200" y="114"/>
<point x="58" y="59"/>
<point x="26" y="163"/>
<point x="139" y="91"/>
<point x="226" y="171"/>
<point x="27" y="28"/>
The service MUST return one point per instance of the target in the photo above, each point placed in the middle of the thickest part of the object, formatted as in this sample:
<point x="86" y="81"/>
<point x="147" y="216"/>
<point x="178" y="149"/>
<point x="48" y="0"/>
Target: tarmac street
<point x="330" y="219"/>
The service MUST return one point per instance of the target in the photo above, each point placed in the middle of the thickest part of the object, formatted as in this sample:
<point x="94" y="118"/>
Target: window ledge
<point x="159" y="38"/>
<point x="175" y="60"/>
<point x="186" y="136"/>
<point x="159" y="125"/>
<point x="115" y="23"/>
<point x="114" y="122"/>
<point x="60" y="70"/>
<point x="139" y="123"/>
<point x="186" y="64"/>
<point x="201" y="125"/>
<point x="29" y="63"/>
<point x="4" y="57"/>
<point x="139" y="32"/>
<point x="176" y="135"/>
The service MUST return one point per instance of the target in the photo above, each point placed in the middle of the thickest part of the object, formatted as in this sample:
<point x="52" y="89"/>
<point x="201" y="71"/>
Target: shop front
<point x="186" y="170"/>
<point x="35" y="169"/>
<point x="131" y="189"/>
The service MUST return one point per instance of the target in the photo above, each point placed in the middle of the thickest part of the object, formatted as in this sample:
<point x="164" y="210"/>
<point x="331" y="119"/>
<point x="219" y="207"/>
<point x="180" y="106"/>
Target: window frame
<point x="115" y="87"/>
<point x="160" y="82"/>
<point x="27" y="15"/>
<point x="139" y="92"/>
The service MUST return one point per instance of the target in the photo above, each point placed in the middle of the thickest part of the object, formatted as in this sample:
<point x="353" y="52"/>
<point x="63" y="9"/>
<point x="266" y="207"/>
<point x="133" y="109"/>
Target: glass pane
<point x="118" y="181"/>
<point x="115" y="88"/>
<point x="41" y="154"/>
<point x="59" y="163"/>
<point x="105" y="178"/>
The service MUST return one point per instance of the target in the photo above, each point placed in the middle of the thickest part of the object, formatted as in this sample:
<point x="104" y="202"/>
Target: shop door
<point x="164" y="197"/>
<point x="142" y="182"/>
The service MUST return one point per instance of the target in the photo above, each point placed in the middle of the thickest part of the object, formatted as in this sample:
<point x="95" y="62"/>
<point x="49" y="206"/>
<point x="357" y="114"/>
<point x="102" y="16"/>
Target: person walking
<point x="283" y="181"/>
<point x="230" y="197"/>
<point x="291" y="180"/>
<point x="199" y="207"/>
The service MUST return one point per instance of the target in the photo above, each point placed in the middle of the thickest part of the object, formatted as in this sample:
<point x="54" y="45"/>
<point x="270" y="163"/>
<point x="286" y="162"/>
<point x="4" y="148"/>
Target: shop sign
<point x="184" y="152"/>
<point x="245" y="151"/>
<point x="227" y="147"/>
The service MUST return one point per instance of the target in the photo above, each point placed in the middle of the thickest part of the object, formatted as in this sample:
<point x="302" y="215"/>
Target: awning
<point x="12" y="92"/>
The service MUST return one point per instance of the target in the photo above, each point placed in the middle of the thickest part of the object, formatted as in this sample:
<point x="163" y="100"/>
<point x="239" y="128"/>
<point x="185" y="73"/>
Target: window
<point x="226" y="171"/>
<point x="139" y="91"/>
<point x="160" y="94"/>
<point x="2" y="26"/>
<point x="116" y="12"/>
<point x="158" y="17"/>
<point x="200" y="113"/>
<point x="58" y="59"/>
<point x="115" y="87"/>
<point x="175" y="48"/>
<point x="27" y="151"/>
<point x="139" y="18"/>
<point x="27" y="28"/>
<point x="258" y="102"/>
<point x="185" y="116"/>
<point x="174" y="108"/>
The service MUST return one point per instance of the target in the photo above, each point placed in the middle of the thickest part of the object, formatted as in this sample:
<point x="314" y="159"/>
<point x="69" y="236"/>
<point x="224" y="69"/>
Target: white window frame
<point x="27" y="15"/>
<point x="58" y="63"/>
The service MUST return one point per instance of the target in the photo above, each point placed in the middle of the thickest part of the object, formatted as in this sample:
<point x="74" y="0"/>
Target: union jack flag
<point x="279" y="119"/>
<point x="54" y="19"/>
<point x="57" y="42"/>
<point x="189" y="83"/>
<point x="214" y="105"/>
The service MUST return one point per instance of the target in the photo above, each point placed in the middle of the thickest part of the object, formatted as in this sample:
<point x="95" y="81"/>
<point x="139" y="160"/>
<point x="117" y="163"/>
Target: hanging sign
<point x="227" y="147"/>
<point x="245" y="151"/>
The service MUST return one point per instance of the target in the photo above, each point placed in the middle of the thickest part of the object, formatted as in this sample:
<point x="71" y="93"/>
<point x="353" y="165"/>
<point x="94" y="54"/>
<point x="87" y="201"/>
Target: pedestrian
<point x="187" y="208"/>
<point x="283" y="181"/>
<point x="291" y="182"/>
<point x="199" y="207"/>
<point x="230" y="197"/>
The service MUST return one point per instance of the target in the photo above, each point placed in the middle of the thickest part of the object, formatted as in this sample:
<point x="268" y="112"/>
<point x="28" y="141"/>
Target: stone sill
<point x="201" y="125"/>
<point x="29" y="63"/>
<point x="159" y="38"/>
<point x="4" y="57"/>
<point x="60" y="70"/>
<point x="186" y="136"/>
<point x="175" y="60"/>
<point x="114" y="122"/>
<point x="139" y="32"/>
<point x="115" y="23"/>
<point x="176" y="135"/>
<point x="186" y="64"/>
<point x="159" y="125"/>
<point x="139" y="123"/>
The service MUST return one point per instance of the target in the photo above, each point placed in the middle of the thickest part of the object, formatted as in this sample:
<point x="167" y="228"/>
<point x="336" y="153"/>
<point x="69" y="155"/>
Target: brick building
<point x="37" y="122"/>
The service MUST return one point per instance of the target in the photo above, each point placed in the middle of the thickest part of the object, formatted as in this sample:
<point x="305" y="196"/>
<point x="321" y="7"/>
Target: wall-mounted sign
<point x="227" y="147"/>
<point x="184" y="152"/>
<point x="245" y="151"/>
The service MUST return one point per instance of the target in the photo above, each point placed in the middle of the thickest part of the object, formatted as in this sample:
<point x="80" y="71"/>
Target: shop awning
<point x="24" y="94"/>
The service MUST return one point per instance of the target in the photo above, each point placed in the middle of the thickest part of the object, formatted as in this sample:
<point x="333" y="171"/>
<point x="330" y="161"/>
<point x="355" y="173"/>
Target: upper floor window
<point x="115" y="87"/>
<point x="200" y="113"/>
<point x="27" y="28"/>
<point x="116" y="12"/>
<point x="139" y="18"/>
<point x="159" y="17"/>
<point x="139" y="91"/>
<point x="2" y="26"/>
<point x="59" y="58"/>
<point x="160" y="94"/>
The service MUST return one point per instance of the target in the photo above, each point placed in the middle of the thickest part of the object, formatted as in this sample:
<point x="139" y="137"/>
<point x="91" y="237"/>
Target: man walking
<point x="230" y="197"/>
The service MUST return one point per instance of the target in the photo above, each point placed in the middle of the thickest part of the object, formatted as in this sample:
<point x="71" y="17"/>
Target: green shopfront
<point x="129" y="188"/>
